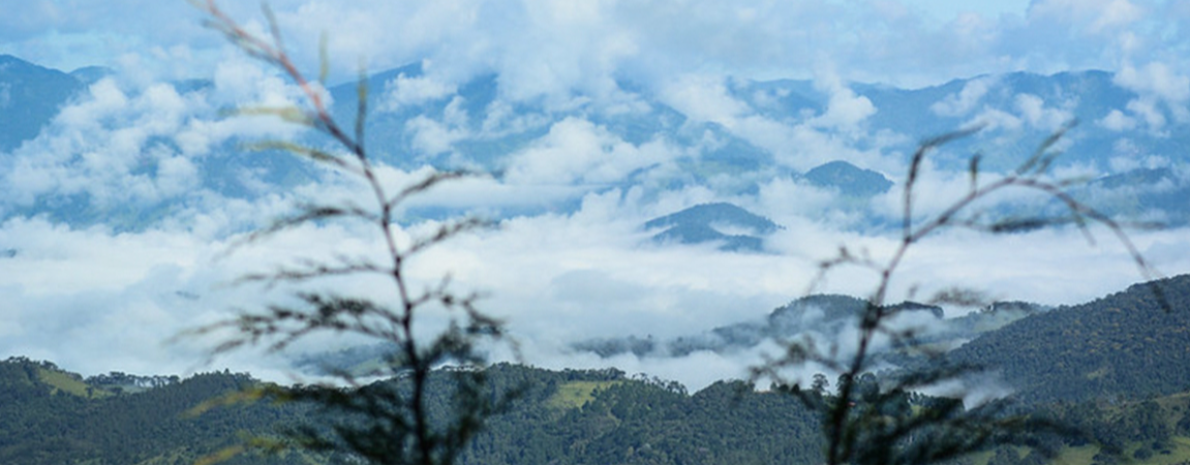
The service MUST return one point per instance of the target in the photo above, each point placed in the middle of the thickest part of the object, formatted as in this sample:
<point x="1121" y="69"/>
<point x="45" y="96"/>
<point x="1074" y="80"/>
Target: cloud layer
<point x="573" y="273"/>
<point x="548" y="47"/>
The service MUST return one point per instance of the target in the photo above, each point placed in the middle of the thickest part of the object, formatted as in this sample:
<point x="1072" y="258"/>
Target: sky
<point x="96" y="300"/>
<point x="549" y="42"/>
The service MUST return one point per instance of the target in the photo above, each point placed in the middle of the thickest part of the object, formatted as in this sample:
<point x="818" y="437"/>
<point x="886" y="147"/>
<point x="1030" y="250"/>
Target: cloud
<point x="1096" y="16"/>
<point x="578" y="151"/>
<point x="1159" y="88"/>
<point x="555" y="277"/>
<point x="1035" y="112"/>
<point x="403" y="91"/>
<point x="1117" y="121"/>
<point x="125" y="143"/>
<point x="962" y="103"/>
<point x="704" y="98"/>
<point x="844" y="109"/>
<point x="433" y="137"/>
<point x="801" y="143"/>
<point x="546" y="49"/>
<point x="101" y="146"/>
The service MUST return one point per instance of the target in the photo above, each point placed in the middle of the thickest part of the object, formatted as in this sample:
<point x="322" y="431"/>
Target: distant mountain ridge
<point x="849" y="179"/>
<point x="30" y="96"/>
<point x="817" y="315"/>
<point x="415" y="121"/>
<point x="706" y="223"/>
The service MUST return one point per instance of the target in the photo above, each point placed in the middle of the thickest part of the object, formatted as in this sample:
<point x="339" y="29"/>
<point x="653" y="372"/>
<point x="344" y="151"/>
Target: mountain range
<point x="651" y="143"/>
<point x="1131" y="344"/>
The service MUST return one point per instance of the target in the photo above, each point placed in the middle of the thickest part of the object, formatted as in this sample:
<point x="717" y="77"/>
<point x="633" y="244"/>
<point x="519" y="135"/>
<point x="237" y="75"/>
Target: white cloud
<point x="578" y="151"/>
<point x="432" y="137"/>
<point x="1156" y="85"/>
<point x="962" y="103"/>
<point x="1117" y="121"/>
<point x="844" y="108"/>
<point x="1148" y="111"/>
<point x="545" y="48"/>
<point x="1097" y="16"/>
<point x="1115" y="14"/>
<point x="1035" y="112"/>
<point x="404" y="90"/>
<point x="995" y="120"/>
<point x="704" y="98"/>
<point x="556" y="279"/>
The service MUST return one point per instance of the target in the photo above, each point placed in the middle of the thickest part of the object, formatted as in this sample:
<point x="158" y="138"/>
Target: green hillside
<point x="1113" y="370"/>
<point x="1132" y="344"/>
<point x="49" y="416"/>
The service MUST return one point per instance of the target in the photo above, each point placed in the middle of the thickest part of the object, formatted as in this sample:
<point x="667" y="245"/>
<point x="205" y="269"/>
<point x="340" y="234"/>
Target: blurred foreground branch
<point x="872" y="421"/>
<point x="387" y="422"/>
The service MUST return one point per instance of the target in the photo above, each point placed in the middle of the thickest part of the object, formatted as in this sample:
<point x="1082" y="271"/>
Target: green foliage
<point x="39" y="427"/>
<point x="65" y="382"/>
<point x="645" y="422"/>
<point x="625" y="420"/>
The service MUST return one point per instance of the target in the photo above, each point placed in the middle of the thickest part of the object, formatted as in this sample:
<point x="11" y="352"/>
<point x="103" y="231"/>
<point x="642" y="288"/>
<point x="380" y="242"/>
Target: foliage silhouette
<point x="868" y="421"/>
<point x="388" y="422"/>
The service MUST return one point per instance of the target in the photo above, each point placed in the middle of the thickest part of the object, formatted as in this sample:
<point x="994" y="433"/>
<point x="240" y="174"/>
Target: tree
<point x="391" y="422"/>
<point x="859" y="424"/>
<point x="1183" y="426"/>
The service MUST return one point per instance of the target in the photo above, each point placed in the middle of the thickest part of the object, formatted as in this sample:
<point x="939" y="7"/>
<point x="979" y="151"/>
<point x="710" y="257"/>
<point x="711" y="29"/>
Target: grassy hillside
<point x="61" y="381"/>
<point x="576" y="394"/>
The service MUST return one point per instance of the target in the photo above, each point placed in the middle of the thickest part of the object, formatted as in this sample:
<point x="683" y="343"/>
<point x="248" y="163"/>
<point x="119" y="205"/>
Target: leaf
<point x="1041" y="159"/>
<point x="361" y="97"/>
<point x="324" y="60"/>
<point x="310" y="153"/>
<point x="445" y="232"/>
<point x="291" y="114"/>
<point x="428" y="182"/>
<point x="222" y="455"/>
<point x="960" y="296"/>
<point x="973" y="171"/>
<point x="1018" y="225"/>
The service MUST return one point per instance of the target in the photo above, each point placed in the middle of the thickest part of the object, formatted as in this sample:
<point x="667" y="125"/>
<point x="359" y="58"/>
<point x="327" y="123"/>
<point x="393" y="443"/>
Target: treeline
<point x="571" y="416"/>
<point x="648" y="421"/>
<point x="560" y="417"/>
<point x="44" y="424"/>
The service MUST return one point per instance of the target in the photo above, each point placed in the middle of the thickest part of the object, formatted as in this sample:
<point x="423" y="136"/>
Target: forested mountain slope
<point x="49" y="416"/>
<point x="1128" y="344"/>
<point x="45" y="419"/>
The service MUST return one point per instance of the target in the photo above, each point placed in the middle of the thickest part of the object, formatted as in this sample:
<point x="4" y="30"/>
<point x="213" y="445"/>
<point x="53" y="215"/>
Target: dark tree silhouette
<point x="390" y="422"/>
<point x="867" y="422"/>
